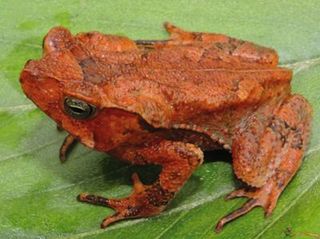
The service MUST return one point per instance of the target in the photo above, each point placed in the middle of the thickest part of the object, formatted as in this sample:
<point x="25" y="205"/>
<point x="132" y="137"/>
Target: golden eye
<point x="78" y="109"/>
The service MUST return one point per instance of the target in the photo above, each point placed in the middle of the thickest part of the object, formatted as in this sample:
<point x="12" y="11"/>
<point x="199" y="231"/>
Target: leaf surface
<point x="37" y="196"/>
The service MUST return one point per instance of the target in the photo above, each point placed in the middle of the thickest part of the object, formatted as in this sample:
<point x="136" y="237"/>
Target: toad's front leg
<point x="178" y="161"/>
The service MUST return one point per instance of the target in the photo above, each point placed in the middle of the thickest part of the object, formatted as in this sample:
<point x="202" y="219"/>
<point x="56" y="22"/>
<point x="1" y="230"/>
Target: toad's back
<point x="168" y="82"/>
<point x="167" y="90"/>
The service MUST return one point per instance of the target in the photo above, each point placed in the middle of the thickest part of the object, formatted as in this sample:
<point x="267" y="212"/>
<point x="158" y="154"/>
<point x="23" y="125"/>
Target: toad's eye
<point x="78" y="109"/>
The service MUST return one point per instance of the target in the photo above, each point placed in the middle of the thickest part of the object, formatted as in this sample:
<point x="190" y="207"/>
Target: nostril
<point x="25" y="74"/>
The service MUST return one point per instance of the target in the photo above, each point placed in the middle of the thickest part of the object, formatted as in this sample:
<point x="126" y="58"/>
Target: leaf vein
<point x="172" y="224"/>
<point x="29" y="151"/>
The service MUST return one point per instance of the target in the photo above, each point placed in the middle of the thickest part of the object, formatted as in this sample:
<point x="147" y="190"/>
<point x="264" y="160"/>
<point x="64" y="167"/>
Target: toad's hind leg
<point x="246" y="51"/>
<point x="268" y="159"/>
<point x="178" y="161"/>
<point x="182" y="36"/>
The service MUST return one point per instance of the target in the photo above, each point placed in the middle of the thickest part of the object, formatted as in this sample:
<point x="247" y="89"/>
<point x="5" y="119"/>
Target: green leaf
<point x="37" y="196"/>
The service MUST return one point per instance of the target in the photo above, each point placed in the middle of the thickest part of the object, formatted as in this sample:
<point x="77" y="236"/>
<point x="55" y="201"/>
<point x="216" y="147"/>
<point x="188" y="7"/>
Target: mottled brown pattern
<point x="164" y="102"/>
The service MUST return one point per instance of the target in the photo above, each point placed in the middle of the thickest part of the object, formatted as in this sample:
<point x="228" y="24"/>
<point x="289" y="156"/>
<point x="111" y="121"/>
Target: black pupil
<point x="77" y="108"/>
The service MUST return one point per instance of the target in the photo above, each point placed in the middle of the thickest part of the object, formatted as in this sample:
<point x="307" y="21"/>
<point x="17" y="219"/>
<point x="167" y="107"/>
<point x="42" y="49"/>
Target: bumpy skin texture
<point x="164" y="102"/>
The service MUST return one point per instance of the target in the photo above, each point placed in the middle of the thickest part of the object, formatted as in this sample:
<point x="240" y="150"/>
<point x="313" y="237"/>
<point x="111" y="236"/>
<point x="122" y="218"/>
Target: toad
<point x="165" y="102"/>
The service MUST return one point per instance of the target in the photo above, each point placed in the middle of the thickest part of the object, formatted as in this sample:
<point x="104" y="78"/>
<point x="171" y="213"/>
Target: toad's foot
<point x="144" y="201"/>
<point x="265" y="197"/>
<point x="178" y="161"/>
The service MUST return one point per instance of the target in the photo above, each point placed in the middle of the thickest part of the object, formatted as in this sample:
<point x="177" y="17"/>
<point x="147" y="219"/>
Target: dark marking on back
<point x="297" y="141"/>
<point x="91" y="71"/>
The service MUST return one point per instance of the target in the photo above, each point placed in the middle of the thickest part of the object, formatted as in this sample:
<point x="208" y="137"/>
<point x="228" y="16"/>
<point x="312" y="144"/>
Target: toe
<point x="243" y="192"/>
<point x="93" y="199"/>
<point x="137" y="184"/>
<point x="111" y="219"/>
<point x="248" y="206"/>
<point x="82" y="197"/>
